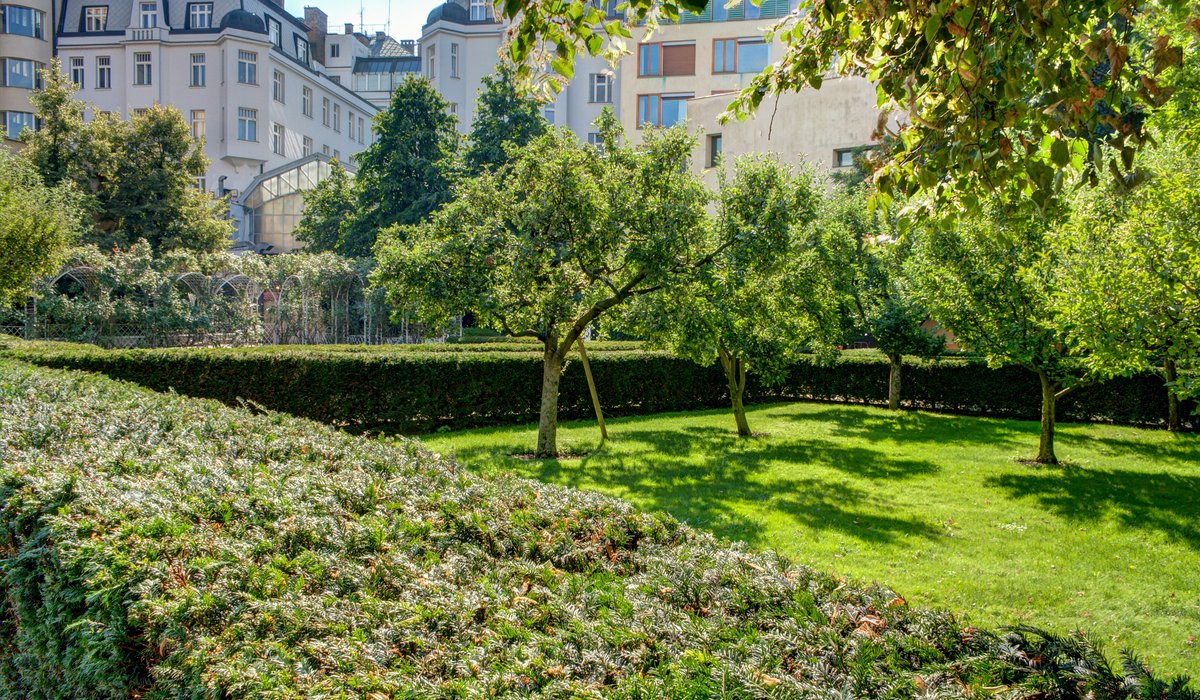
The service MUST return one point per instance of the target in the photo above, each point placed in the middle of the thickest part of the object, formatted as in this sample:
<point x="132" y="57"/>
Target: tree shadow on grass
<point x="726" y="485"/>
<point x="917" y="427"/>
<point x="1182" y="449"/>
<point x="1168" y="503"/>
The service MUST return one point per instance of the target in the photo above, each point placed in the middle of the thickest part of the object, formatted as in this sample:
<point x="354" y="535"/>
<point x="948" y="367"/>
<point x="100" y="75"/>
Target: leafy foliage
<point x="138" y="175"/>
<point x="503" y="115"/>
<point x="37" y="224"/>
<point x="406" y="173"/>
<point x="548" y="244"/>
<point x="1005" y="97"/>
<point x="168" y="547"/>
<point x="328" y="211"/>
<point x="759" y="300"/>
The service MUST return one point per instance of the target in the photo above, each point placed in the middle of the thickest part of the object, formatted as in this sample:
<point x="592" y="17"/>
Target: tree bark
<point x="1174" y="422"/>
<point x="547" y="442"/>
<point x="1045" y="453"/>
<point x="735" y="374"/>
<point x="894" y="382"/>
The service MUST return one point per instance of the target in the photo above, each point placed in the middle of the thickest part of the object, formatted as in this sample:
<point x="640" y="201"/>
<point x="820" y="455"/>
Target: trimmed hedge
<point x="420" y="388"/>
<point x="156" y="546"/>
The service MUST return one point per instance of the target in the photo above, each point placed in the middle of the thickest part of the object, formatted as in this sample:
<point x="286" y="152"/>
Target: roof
<point x="246" y="21"/>
<point x="387" y="64"/>
<point x="387" y="47"/>
<point x="449" y="11"/>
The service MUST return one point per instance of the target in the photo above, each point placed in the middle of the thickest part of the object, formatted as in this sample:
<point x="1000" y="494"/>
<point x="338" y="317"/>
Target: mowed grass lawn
<point x="936" y="507"/>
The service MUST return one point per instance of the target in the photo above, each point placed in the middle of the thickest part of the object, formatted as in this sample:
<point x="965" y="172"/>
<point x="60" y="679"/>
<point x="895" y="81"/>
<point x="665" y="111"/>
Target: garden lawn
<point x="939" y="507"/>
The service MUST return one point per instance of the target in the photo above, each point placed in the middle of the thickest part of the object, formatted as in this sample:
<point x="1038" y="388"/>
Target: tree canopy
<point x="1000" y="96"/>
<point x="38" y="223"/>
<point x="503" y="115"/>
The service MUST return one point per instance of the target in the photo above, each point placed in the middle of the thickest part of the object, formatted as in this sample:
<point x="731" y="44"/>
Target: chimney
<point x="349" y="28"/>
<point x="318" y="28"/>
<point x="380" y="35"/>
<point x="408" y="46"/>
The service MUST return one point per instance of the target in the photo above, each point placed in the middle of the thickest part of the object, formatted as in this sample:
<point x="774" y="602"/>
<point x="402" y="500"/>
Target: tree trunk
<point x="1173" y="419"/>
<point x="547" y="443"/>
<point x="735" y="374"/>
<point x="894" y="382"/>
<point x="1045" y="453"/>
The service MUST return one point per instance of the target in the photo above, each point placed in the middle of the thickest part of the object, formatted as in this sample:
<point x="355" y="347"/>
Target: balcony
<point x="145" y="34"/>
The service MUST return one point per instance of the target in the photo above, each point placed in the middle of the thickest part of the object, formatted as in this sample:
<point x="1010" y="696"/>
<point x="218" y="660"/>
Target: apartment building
<point x="244" y="76"/>
<point x="26" y="47"/>
<point x="460" y="44"/>
<point x="372" y="66"/>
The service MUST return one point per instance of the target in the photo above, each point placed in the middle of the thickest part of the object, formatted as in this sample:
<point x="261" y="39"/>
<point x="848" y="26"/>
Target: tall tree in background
<point x="1131" y="295"/>
<point x="503" y="115"/>
<point x="1000" y="96"/>
<point x="37" y="225"/>
<point x="544" y="246"/>
<point x="863" y="260"/>
<point x="762" y="297"/>
<point x="138" y="176"/>
<point x="328" y="212"/>
<point x="992" y="281"/>
<point x="406" y="174"/>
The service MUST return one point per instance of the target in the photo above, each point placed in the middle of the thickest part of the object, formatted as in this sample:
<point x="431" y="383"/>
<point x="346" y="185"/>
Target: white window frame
<point x="337" y="118"/>
<point x="306" y="146"/>
<point x="453" y="60"/>
<point x="200" y="15"/>
<point x="600" y="88"/>
<point x="278" y="87"/>
<point x="247" y="124"/>
<point x="199" y="124"/>
<point x="275" y="32"/>
<point x="104" y="72"/>
<point x="306" y="100"/>
<point x="431" y="65"/>
<point x="478" y="11"/>
<point x="278" y="138"/>
<point x="95" y="19"/>
<point x="143" y="68"/>
<point x="247" y="67"/>
<point x="77" y="70"/>
<point x="325" y="109"/>
<point x="199" y="70"/>
<point x="147" y="15"/>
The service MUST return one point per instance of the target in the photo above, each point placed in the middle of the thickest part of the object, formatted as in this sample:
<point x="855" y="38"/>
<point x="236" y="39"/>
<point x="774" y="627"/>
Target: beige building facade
<point x="26" y="47"/>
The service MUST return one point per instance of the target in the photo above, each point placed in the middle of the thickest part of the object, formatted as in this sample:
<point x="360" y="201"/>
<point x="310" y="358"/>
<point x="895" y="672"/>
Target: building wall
<point x="809" y="126"/>
<point x="235" y="162"/>
<point x="18" y="46"/>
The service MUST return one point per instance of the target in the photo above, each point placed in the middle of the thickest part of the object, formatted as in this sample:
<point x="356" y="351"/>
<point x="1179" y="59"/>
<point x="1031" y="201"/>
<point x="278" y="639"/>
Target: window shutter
<point x="679" y="59"/>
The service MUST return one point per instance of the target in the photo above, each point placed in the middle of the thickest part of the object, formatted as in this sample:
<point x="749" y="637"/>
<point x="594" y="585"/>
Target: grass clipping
<point x="162" y="547"/>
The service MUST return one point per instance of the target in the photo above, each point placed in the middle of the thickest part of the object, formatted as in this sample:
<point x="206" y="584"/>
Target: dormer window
<point x="200" y="15"/>
<point x="149" y="15"/>
<point x="274" y="32"/>
<point x="479" y="11"/>
<point x="95" y="19"/>
<point x="302" y="49"/>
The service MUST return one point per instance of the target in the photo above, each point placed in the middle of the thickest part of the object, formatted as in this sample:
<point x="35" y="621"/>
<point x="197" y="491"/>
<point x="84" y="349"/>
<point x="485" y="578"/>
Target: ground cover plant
<point x="937" y="506"/>
<point x="157" y="546"/>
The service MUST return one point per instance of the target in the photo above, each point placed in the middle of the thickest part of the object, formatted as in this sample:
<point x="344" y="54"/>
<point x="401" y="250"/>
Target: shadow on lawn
<point x="716" y="481"/>
<point x="917" y="426"/>
<point x="1169" y="503"/>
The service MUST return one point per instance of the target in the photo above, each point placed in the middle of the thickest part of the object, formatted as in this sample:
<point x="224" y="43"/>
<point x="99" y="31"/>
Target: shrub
<point x="419" y="388"/>
<point x="157" y="546"/>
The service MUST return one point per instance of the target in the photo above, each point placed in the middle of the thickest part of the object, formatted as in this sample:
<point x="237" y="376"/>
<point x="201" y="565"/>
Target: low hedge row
<point x="156" y="546"/>
<point x="414" y="391"/>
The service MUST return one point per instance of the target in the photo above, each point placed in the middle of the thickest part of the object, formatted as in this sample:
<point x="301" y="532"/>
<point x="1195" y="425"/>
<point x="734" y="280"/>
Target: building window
<point x="103" y="72"/>
<point x="306" y="96"/>
<point x="740" y="55"/>
<point x="548" y="112"/>
<point x="200" y="15"/>
<point x="337" y="155"/>
<point x="667" y="59"/>
<point x="431" y="64"/>
<point x="95" y="19"/>
<point x="16" y="122"/>
<point x="662" y="110"/>
<point x="713" y="157"/>
<point x="361" y="130"/>
<point x="325" y="111"/>
<point x="720" y="13"/>
<point x="301" y="50"/>
<point x="306" y="147"/>
<point x="479" y="10"/>
<point x="335" y="50"/>
<point x="247" y="124"/>
<point x="201" y="183"/>
<point x="454" y="109"/>
<point x="23" y="21"/>
<point x="149" y="15"/>
<point x="277" y="138"/>
<point x="337" y="118"/>
<point x="848" y="157"/>
<point x="199" y="70"/>
<point x="142" y="70"/>
<point x="277" y="86"/>
<point x="601" y="88"/>
<point x="595" y="139"/>
<point x="325" y="149"/>
<point x="77" y="70"/>
<point x="275" y="32"/>
<point x="140" y="111"/>
<point x="752" y="11"/>
<point x="199" y="124"/>
<point x="453" y="60"/>
<point x="248" y="67"/>
<point x="19" y="73"/>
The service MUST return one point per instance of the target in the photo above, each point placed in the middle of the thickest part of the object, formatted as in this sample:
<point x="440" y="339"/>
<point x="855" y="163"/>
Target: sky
<point x="407" y="15"/>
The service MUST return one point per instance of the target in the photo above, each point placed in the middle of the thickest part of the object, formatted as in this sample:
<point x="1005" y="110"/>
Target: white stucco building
<point x="242" y="73"/>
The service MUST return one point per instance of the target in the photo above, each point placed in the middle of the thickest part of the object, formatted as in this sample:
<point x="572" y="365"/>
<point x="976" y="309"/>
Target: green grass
<point x="938" y="507"/>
